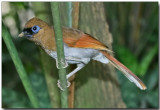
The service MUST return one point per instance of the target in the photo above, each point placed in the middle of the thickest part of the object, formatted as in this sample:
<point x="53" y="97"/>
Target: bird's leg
<point x="65" y="65"/>
<point x="81" y="63"/>
<point x="79" y="66"/>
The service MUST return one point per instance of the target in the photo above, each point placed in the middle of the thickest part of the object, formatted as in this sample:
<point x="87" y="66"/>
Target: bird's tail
<point x="132" y="77"/>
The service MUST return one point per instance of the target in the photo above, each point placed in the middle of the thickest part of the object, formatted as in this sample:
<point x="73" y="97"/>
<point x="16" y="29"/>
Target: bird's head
<point x="35" y="30"/>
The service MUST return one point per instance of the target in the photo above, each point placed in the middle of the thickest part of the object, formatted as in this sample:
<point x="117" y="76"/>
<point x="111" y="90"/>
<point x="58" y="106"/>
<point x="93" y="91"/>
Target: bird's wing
<point x="83" y="40"/>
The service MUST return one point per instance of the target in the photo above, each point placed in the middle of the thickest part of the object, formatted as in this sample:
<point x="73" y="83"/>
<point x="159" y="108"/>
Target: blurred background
<point x="134" y="28"/>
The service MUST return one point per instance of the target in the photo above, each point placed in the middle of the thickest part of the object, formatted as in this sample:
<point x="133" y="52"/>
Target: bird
<point x="79" y="48"/>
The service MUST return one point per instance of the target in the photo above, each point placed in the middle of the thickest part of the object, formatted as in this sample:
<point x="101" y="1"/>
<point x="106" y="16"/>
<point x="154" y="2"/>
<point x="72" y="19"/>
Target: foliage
<point x="138" y="25"/>
<point x="16" y="98"/>
<point x="40" y="88"/>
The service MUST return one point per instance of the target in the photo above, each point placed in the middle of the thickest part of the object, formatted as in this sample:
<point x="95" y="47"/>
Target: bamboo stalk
<point x="19" y="66"/>
<point x="60" y="54"/>
<point x="69" y="13"/>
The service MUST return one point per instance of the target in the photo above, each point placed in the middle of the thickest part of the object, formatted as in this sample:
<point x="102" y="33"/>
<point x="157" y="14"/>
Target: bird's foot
<point x="59" y="85"/>
<point x="65" y="64"/>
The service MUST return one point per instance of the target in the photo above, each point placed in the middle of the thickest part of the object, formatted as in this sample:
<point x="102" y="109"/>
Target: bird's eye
<point x="35" y="29"/>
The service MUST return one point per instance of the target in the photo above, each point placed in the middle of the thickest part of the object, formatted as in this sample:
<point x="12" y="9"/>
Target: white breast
<point x="80" y="54"/>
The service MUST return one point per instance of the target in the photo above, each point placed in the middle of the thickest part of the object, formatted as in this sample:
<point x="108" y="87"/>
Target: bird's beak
<point x="25" y="34"/>
<point x="21" y="34"/>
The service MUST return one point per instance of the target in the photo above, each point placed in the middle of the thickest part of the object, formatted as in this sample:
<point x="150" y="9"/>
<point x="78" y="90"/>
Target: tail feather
<point x="132" y="77"/>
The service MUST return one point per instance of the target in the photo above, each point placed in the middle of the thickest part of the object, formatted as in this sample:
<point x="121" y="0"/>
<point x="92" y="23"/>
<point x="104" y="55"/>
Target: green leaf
<point x="127" y="58"/>
<point x="14" y="99"/>
<point x="148" y="59"/>
<point x="152" y="98"/>
<point x="152" y="79"/>
<point x="40" y="89"/>
<point x="19" y="5"/>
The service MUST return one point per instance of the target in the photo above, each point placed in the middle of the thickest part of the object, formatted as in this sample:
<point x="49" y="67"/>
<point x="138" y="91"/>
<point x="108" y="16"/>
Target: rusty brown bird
<point x="79" y="47"/>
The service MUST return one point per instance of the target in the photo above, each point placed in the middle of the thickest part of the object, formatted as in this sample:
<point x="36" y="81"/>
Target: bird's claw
<point x="59" y="85"/>
<point x="65" y="64"/>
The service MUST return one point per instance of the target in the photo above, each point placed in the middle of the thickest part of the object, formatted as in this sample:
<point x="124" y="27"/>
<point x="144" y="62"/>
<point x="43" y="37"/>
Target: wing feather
<point x="82" y="40"/>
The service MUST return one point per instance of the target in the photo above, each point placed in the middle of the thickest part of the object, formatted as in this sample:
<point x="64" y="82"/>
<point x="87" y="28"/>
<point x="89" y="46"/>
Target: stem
<point x="60" y="54"/>
<point x="19" y="66"/>
<point x="69" y="13"/>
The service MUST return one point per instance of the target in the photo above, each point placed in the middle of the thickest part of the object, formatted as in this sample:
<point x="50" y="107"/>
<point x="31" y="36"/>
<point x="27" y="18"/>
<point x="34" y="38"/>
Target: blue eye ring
<point x="35" y="29"/>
